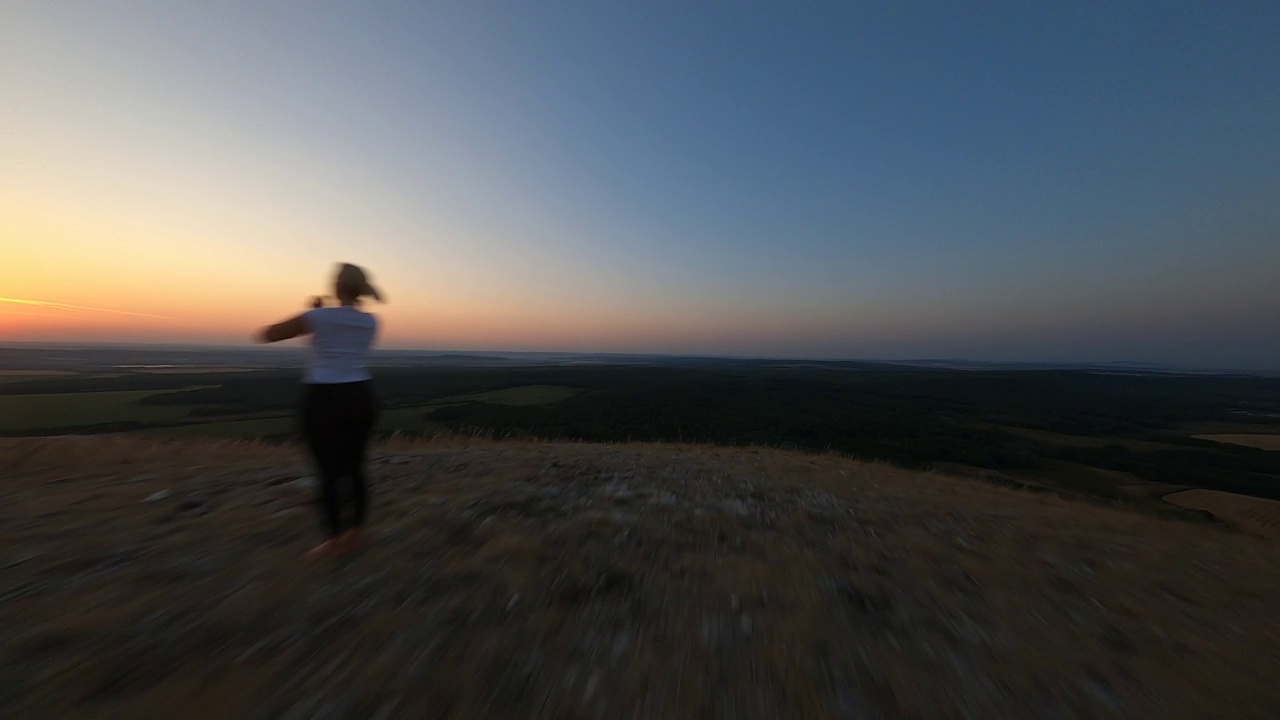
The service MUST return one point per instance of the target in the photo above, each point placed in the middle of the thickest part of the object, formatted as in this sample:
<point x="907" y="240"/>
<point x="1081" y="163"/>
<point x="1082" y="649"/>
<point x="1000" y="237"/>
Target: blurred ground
<point x="509" y="580"/>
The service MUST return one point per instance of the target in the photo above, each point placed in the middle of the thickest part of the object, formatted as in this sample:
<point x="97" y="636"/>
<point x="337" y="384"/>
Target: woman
<point x="338" y="406"/>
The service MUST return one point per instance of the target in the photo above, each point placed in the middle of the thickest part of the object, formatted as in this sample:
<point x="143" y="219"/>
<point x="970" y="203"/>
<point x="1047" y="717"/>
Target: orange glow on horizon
<point x="79" y="308"/>
<point x="82" y="270"/>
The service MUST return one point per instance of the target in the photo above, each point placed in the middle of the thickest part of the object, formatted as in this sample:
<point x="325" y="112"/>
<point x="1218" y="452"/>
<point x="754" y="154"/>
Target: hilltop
<point x="148" y="578"/>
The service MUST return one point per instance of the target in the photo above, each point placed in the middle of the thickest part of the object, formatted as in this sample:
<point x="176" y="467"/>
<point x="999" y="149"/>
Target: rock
<point x="20" y="559"/>
<point x="665" y="498"/>
<point x="192" y="503"/>
<point x="1102" y="694"/>
<point x="395" y="534"/>
<point x="620" y="645"/>
<point x="861" y="599"/>
<point x="617" y="490"/>
<point x="386" y="711"/>
<point x="617" y="517"/>
<point x="302" y="709"/>
<point x="710" y="631"/>
<point x="570" y="677"/>
<point x="157" y="496"/>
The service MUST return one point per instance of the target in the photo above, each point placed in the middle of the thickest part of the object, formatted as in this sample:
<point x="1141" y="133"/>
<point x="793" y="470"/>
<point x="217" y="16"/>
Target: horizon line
<point x="255" y="347"/>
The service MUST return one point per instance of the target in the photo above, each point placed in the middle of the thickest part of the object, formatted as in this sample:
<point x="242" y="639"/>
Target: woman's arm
<point x="285" y="330"/>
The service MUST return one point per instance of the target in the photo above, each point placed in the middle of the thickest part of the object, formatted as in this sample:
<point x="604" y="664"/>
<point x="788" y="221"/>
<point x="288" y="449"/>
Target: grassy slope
<point x="1261" y="441"/>
<point x="575" y="581"/>
<point x="1256" y="516"/>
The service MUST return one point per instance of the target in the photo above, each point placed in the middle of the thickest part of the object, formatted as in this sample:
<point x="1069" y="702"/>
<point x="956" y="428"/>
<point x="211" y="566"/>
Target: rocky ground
<point x="510" y="580"/>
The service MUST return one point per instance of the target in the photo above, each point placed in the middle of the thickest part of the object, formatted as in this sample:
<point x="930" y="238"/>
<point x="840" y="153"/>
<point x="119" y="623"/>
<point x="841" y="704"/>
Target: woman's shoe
<point x="353" y="539"/>
<point x="328" y="549"/>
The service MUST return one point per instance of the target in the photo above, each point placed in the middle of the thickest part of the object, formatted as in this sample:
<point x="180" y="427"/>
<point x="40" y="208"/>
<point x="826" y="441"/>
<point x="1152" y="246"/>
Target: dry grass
<point x="560" y="580"/>
<point x="1258" y="516"/>
<point x="188" y="370"/>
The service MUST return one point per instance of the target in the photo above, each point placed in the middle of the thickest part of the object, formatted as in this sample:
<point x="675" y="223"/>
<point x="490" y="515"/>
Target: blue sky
<point x="1071" y="181"/>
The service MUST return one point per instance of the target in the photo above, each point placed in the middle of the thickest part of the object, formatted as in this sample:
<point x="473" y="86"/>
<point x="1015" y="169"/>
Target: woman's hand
<point x="286" y="330"/>
<point x="317" y="301"/>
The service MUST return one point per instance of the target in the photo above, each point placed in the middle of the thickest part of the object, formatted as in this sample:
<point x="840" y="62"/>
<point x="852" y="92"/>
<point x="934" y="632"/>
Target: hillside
<point x="142" y="578"/>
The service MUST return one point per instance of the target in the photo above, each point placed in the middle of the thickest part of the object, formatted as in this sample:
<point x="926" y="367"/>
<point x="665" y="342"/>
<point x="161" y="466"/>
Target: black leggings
<point x="337" y="420"/>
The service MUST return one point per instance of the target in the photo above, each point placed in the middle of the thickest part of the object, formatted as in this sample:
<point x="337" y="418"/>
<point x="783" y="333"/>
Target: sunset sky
<point x="1081" y="181"/>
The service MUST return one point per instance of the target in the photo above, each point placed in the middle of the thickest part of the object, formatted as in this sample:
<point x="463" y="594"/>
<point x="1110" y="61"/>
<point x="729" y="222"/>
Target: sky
<point x="1085" y="181"/>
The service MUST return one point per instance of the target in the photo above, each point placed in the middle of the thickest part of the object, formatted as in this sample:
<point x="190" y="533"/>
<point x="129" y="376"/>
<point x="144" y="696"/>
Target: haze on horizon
<point x="1071" y="182"/>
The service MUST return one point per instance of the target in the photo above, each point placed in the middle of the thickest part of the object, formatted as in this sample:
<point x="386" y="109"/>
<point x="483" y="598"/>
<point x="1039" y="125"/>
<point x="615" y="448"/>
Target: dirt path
<point x="146" y="579"/>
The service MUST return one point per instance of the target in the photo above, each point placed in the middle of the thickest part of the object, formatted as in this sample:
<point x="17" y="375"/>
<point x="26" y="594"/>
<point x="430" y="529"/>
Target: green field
<point x="522" y="396"/>
<point x="28" y="413"/>
<point x="28" y="374"/>
<point x="250" y="428"/>
<point x="409" y="420"/>
<point x="406" y="419"/>
<point x="1116" y="437"/>
<point x="73" y="411"/>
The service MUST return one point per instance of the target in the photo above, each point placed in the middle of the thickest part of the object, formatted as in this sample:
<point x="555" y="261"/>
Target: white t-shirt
<point x="340" y="342"/>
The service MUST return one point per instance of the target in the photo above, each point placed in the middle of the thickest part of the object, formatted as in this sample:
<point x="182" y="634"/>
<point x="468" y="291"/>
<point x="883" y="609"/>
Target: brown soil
<point x="519" y="580"/>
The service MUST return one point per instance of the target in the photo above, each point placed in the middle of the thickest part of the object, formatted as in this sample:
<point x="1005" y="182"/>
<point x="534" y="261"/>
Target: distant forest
<point x="1139" y="423"/>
